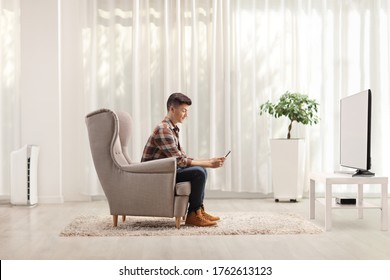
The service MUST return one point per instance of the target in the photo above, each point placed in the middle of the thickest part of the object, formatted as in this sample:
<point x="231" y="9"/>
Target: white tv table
<point x="330" y="179"/>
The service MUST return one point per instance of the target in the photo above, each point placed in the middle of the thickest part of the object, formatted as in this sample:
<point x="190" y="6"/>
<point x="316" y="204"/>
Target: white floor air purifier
<point x="24" y="173"/>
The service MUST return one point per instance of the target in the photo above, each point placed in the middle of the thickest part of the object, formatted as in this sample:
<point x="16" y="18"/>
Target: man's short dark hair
<point x="177" y="99"/>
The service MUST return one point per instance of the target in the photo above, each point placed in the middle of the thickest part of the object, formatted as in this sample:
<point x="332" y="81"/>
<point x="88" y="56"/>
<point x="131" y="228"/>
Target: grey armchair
<point x="133" y="189"/>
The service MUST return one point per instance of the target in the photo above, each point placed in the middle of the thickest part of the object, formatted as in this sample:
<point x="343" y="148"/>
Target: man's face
<point x="179" y="114"/>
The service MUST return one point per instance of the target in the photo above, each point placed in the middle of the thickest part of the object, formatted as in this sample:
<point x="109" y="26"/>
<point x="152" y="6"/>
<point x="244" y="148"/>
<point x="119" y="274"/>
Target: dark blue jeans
<point x="197" y="176"/>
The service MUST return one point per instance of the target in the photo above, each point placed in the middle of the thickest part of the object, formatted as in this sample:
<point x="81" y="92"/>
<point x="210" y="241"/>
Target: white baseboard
<point x="6" y="199"/>
<point x="238" y="195"/>
<point x="50" y="199"/>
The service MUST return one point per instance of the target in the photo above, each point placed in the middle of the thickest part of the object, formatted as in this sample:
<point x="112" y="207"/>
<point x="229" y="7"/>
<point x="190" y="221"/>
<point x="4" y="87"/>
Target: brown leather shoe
<point x="209" y="217"/>
<point x="197" y="219"/>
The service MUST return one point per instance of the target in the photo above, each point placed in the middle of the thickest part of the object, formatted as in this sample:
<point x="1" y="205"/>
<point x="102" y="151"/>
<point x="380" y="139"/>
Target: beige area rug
<point x="241" y="223"/>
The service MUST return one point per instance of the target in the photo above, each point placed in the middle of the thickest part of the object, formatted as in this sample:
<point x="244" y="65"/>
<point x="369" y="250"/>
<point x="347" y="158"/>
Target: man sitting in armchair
<point x="164" y="142"/>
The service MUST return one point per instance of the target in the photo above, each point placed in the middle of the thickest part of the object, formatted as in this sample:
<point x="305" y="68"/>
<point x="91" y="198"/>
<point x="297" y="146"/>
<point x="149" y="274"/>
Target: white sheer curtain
<point x="230" y="56"/>
<point x="9" y="87"/>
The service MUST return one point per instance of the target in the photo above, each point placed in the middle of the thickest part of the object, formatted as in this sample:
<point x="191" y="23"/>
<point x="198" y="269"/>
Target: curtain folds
<point x="231" y="56"/>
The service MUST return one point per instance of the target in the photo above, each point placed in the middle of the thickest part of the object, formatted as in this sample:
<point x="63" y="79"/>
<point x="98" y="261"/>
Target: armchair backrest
<point x="108" y="135"/>
<point x="125" y="129"/>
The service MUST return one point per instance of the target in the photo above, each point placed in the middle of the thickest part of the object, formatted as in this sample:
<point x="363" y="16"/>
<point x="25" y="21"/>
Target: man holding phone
<point x="164" y="142"/>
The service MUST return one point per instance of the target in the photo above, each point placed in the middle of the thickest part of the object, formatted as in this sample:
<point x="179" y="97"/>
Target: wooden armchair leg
<point x="123" y="218"/>
<point x="115" y="220"/>
<point x="177" y="222"/>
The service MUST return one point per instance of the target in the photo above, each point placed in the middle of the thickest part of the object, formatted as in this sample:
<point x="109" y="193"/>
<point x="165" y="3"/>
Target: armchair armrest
<point x="166" y="165"/>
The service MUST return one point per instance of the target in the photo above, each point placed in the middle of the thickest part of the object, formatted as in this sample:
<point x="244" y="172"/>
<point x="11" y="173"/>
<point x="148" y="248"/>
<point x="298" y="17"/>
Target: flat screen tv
<point x="355" y="132"/>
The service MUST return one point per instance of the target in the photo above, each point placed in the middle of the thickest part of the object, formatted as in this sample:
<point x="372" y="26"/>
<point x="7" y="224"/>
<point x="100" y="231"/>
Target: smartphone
<point x="227" y="154"/>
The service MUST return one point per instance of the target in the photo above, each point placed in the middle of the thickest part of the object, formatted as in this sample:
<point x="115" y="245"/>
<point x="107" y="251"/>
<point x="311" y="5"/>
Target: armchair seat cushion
<point x="183" y="189"/>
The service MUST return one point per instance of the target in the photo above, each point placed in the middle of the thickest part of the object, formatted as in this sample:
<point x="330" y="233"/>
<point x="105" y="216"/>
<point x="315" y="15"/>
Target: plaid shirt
<point x="164" y="143"/>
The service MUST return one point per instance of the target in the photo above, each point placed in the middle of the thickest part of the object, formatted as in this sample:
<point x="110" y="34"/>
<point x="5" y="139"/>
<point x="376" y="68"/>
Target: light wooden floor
<point x="33" y="233"/>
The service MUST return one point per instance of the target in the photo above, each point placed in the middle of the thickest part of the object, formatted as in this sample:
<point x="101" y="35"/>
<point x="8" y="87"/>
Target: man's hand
<point x="217" y="162"/>
<point x="209" y="163"/>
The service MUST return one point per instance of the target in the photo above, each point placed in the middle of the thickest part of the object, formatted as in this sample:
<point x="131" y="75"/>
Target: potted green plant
<point x="287" y="154"/>
<point x="297" y="107"/>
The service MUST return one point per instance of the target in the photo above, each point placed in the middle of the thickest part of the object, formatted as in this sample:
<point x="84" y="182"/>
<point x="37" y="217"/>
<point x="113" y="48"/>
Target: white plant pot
<point x="287" y="162"/>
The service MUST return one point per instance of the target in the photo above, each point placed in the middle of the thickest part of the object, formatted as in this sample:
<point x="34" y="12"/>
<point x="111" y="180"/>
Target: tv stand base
<point x="363" y="173"/>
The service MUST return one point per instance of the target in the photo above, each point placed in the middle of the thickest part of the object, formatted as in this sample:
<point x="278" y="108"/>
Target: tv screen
<point x="355" y="132"/>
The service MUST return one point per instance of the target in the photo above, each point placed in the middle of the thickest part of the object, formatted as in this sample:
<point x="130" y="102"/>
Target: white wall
<point x="40" y="92"/>
<point x="74" y="133"/>
<point x="52" y="101"/>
